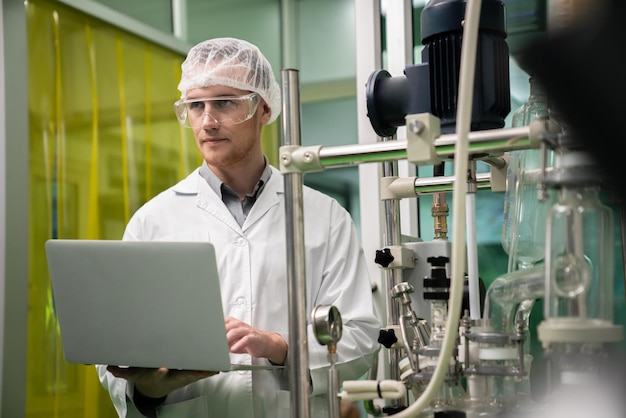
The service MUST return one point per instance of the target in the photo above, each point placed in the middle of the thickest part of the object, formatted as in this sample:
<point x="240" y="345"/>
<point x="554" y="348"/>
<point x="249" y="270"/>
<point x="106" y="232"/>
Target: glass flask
<point x="524" y="213"/>
<point x="508" y="291"/>
<point x="508" y="211"/>
<point x="580" y="268"/>
<point x="580" y="251"/>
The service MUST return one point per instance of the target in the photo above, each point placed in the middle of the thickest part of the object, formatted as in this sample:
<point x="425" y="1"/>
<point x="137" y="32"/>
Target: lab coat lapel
<point x="269" y="197"/>
<point x="212" y="204"/>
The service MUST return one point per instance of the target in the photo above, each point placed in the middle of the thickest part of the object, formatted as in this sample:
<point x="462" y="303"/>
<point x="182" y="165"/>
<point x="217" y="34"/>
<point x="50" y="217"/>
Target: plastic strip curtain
<point x="182" y="163"/>
<point x="103" y="139"/>
<point x="148" y="133"/>
<point x="58" y="209"/>
<point x="55" y="348"/>
<point x="93" y="214"/>
<point x="123" y="131"/>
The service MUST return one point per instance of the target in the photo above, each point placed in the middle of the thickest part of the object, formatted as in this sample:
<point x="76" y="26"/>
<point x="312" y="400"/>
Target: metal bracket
<point x="498" y="175"/>
<point x="422" y="130"/>
<point x="297" y="159"/>
<point x="402" y="257"/>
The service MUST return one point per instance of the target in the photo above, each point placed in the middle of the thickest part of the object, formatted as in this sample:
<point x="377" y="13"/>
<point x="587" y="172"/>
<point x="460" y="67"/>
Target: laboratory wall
<point x="2" y="192"/>
<point x="14" y="200"/>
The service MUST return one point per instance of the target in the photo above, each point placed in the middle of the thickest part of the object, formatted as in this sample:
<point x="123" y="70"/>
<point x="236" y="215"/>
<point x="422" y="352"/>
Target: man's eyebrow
<point x="218" y="94"/>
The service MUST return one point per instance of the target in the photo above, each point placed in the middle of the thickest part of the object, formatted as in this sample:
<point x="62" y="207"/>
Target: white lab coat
<point x="252" y="265"/>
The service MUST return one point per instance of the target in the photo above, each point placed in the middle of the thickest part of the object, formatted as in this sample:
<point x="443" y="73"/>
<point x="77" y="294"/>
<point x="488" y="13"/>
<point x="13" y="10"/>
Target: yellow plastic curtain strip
<point x="148" y="120"/>
<point x="182" y="166"/>
<point x="93" y="213"/>
<point x="123" y="133"/>
<point x="59" y="131"/>
<point x="60" y="171"/>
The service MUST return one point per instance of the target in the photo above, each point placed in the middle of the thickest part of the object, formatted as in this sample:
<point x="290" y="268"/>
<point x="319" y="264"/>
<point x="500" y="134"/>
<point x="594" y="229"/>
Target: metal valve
<point x="327" y="327"/>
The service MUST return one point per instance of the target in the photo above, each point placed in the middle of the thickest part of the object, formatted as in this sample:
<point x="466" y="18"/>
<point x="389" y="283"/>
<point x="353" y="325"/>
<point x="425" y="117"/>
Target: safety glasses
<point x="224" y="110"/>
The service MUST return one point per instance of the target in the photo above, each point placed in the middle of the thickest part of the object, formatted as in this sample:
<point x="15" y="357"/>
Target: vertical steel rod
<point x="298" y="356"/>
<point x="392" y="276"/>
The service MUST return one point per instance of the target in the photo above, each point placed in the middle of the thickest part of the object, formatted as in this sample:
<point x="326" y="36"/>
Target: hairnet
<point x="234" y="63"/>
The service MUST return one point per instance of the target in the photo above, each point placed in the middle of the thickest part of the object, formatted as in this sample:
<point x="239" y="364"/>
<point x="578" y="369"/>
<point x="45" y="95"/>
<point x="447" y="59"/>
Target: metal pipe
<point x="392" y="276"/>
<point x="446" y="184"/>
<point x="513" y="136"/>
<point x="489" y="141"/>
<point x="497" y="162"/>
<point x="439" y="210"/>
<point x="334" y="402"/>
<point x="289" y="33"/>
<point x="298" y="355"/>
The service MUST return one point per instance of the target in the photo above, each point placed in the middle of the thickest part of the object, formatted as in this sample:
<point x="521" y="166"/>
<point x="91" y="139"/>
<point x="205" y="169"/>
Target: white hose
<point x="359" y="390"/>
<point x="472" y="256"/>
<point x="463" y="125"/>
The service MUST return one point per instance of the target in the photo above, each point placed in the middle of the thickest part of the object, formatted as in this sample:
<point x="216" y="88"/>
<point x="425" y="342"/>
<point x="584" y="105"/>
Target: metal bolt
<point x="416" y="126"/>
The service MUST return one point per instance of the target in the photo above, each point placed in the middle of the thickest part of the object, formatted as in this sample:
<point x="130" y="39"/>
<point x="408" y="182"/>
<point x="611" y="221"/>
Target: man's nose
<point x="209" y="120"/>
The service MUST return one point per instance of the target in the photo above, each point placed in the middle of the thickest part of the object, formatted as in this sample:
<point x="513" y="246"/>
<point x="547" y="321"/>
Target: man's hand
<point x="245" y="339"/>
<point x="156" y="383"/>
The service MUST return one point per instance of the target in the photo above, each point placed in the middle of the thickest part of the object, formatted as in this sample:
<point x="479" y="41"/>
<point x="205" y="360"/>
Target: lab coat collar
<point x="193" y="182"/>
<point x="270" y="196"/>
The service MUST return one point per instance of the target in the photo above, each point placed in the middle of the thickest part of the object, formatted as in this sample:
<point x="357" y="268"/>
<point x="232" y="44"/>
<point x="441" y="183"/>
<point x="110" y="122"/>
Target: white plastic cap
<point x="234" y="63"/>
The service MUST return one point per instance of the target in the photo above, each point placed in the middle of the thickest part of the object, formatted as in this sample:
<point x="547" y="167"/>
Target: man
<point x="236" y="201"/>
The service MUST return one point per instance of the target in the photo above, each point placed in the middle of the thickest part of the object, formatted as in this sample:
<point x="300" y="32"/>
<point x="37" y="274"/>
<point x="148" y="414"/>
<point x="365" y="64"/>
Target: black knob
<point x="383" y="257"/>
<point x="387" y="337"/>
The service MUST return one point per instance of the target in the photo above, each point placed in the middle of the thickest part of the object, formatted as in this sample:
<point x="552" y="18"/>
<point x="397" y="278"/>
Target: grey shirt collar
<point x="238" y="208"/>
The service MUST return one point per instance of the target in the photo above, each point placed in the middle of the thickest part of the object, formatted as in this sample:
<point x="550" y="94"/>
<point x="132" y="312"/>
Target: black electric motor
<point x="432" y="87"/>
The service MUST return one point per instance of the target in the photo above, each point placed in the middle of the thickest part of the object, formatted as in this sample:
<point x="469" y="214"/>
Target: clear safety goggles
<point x="224" y="110"/>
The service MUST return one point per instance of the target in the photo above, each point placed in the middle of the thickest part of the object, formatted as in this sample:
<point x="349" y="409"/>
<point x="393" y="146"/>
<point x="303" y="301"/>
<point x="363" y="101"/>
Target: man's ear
<point x="267" y="113"/>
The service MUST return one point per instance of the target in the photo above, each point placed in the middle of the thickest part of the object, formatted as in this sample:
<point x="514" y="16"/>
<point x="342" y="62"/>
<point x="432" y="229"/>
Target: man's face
<point x="231" y="145"/>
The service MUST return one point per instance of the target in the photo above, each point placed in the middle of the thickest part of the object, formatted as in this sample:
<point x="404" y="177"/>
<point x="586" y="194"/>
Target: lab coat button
<point x="241" y="242"/>
<point x="241" y="302"/>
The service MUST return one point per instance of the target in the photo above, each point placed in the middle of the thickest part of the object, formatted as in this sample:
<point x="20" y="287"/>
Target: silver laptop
<point x="139" y="303"/>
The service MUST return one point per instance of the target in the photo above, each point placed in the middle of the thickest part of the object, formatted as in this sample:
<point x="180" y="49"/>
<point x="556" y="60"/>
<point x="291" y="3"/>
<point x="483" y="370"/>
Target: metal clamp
<point x="421" y="131"/>
<point x="297" y="159"/>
